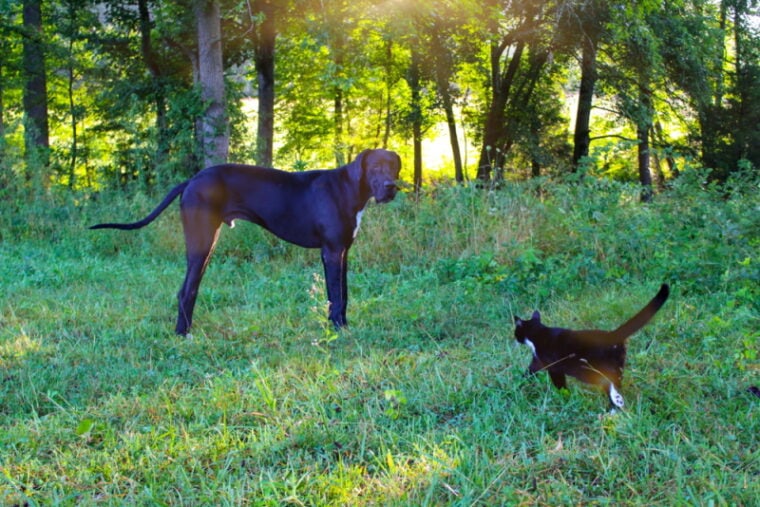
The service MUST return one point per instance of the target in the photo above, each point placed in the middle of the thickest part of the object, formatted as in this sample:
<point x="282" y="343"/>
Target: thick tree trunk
<point x="214" y="134"/>
<point x="264" y="59"/>
<point x="491" y="154"/>
<point x="36" y="131"/>
<point x="582" y="135"/>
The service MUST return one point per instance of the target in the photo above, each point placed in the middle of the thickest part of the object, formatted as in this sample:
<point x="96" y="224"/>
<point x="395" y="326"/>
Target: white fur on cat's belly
<point x="616" y="397"/>
<point x="358" y="222"/>
<point x="531" y="347"/>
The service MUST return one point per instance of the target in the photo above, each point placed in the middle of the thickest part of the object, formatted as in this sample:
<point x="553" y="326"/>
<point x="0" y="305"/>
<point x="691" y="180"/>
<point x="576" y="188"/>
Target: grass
<point x="423" y="400"/>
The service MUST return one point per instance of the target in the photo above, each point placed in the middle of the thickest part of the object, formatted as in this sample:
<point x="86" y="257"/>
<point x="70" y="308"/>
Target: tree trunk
<point x="3" y="52"/>
<point x="340" y="158"/>
<point x="416" y="107"/>
<point x="659" y="137"/>
<point x="214" y="134"/>
<point x="643" y="128"/>
<point x="154" y="66"/>
<point x="492" y="154"/>
<point x="388" y="90"/>
<point x="452" y="124"/>
<point x="746" y="143"/>
<point x="335" y="22"/>
<point x="658" y="176"/>
<point x="264" y="59"/>
<point x="442" y="82"/>
<point x="72" y="109"/>
<point x="36" y="131"/>
<point x="582" y="135"/>
<point x="443" y="72"/>
<point x="645" y="175"/>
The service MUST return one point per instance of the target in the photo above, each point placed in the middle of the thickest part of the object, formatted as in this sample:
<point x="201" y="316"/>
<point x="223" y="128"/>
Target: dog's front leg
<point x="335" y="262"/>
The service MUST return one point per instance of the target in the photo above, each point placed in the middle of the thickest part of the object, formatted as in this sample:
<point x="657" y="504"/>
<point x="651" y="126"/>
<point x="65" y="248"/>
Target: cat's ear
<point x="518" y="321"/>
<point x="536" y="316"/>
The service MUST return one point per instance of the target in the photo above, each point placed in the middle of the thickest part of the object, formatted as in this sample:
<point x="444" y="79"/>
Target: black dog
<point x="313" y="209"/>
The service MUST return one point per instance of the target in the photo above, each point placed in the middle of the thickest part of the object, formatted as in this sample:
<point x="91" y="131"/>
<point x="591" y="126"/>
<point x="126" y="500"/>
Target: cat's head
<point x="524" y="328"/>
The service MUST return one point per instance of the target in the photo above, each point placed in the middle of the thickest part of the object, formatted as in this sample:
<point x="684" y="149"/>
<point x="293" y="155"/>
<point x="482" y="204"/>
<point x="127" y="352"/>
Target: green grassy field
<point x="423" y="400"/>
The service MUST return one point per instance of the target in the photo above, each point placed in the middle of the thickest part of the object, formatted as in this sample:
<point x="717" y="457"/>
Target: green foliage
<point x="123" y="107"/>
<point x="423" y="400"/>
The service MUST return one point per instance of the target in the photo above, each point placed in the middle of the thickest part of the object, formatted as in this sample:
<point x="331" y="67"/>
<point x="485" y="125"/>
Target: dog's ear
<point x="357" y="168"/>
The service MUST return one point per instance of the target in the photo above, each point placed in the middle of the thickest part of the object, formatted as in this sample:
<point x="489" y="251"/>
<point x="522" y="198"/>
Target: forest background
<point x="102" y="94"/>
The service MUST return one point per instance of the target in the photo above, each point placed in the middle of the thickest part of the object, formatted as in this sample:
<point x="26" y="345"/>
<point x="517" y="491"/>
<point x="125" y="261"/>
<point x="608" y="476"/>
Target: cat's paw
<point x="616" y="398"/>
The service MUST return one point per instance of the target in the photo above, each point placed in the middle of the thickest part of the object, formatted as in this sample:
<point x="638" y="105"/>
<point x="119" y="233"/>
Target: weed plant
<point x="423" y="400"/>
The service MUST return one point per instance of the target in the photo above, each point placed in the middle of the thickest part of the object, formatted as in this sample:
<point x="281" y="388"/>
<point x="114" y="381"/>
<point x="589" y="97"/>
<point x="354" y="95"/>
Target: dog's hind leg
<point x="201" y="233"/>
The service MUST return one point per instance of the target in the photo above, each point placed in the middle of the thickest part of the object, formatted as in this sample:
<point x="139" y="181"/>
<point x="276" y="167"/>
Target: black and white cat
<point x="592" y="356"/>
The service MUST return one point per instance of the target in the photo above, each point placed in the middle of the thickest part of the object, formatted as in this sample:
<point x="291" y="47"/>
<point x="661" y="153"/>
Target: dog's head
<point x="378" y="170"/>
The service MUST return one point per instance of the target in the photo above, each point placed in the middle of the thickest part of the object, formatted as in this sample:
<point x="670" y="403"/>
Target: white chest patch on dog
<point x="358" y="222"/>
<point x="531" y="346"/>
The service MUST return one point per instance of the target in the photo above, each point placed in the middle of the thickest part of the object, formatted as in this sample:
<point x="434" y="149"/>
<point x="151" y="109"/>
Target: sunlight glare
<point x="19" y="347"/>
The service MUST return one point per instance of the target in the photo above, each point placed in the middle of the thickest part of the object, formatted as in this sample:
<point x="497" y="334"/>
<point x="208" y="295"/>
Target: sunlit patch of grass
<point x="17" y="348"/>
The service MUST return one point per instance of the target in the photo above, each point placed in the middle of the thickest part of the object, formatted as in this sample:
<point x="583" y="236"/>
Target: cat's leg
<point x="615" y="397"/>
<point x="558" y="379"/>
<point x="535" y="366"/>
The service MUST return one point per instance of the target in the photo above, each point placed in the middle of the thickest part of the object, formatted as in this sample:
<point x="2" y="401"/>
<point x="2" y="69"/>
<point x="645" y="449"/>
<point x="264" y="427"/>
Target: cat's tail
<point x="645" y="315"/>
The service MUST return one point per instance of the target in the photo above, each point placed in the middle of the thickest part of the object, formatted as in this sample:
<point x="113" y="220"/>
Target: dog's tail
<point x="645" y="315"/>
<point x="173" y="193"/>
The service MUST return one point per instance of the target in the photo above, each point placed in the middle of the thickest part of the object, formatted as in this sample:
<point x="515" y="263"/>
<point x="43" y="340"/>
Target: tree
<point x="416" y="36"/>
<point x="414" y="79"/>
<point x="589" y="22"/>
<point x="517" y="57"/>
<point x="156" y="68"/>
<point x="746" y="106"/>
<point x="443" y="73"/>
<point x="638" y="70"/>
<point x="214" y="128"/>
<point x="36" y="129"/>
<point x="124" y="98"/>
<point x="445" y="20"/>
<point x="264" y="36"/>
<point x="711" y="52"/>
<point x="4" y="52"/>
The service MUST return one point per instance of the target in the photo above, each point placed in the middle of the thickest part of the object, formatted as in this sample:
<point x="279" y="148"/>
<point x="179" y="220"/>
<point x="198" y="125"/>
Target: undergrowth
<point x="423" y="400"/>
